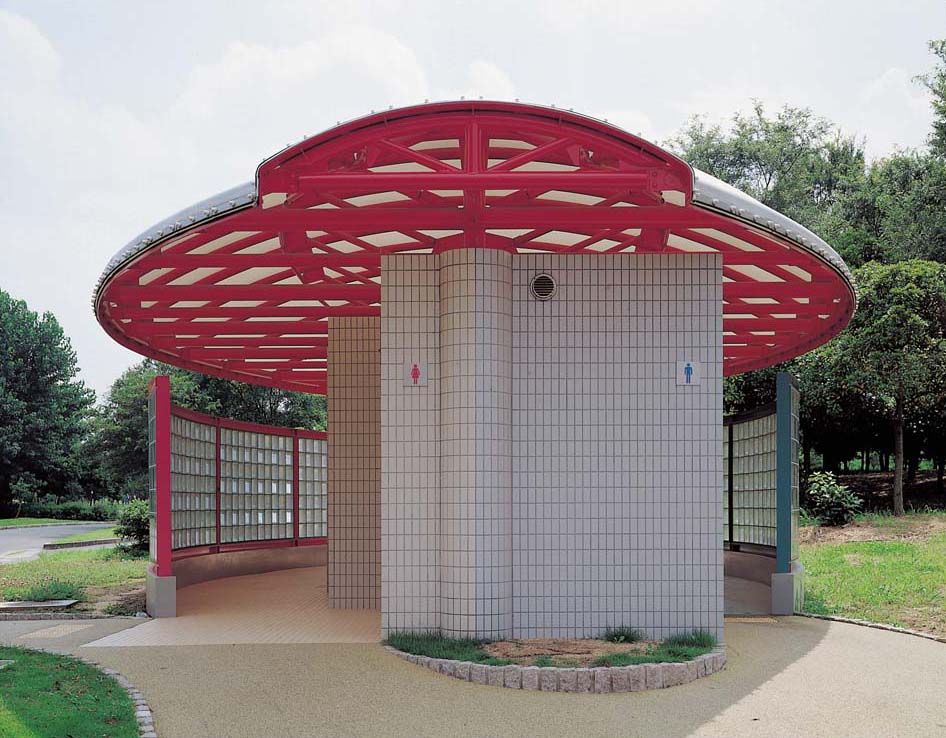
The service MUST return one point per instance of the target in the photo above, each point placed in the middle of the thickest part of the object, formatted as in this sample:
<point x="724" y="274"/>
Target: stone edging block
<point x="597" y="680"/>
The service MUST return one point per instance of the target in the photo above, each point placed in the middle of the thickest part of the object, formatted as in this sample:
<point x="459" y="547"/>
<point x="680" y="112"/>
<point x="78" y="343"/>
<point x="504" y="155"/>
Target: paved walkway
<point x="23" y="544"/>
<point x="288" y="606"/>
<point x="786" y="678"/>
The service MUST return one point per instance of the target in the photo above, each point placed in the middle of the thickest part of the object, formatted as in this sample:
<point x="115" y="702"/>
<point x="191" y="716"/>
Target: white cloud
<point x="485" y="79"/>
<point x="633" y="121"/>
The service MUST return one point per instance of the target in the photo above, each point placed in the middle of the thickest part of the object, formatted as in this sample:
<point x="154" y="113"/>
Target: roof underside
<point x="242" y="285"/>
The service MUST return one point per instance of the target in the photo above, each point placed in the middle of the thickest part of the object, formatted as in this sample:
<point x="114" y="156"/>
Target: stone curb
<point x="6" y="616"/>
<point x="596" y="680"/>
<point x="52" y="525"/>
<point x="878" y="626"/>
<point x="143" y="713"/>
<point x="79" y="544"/>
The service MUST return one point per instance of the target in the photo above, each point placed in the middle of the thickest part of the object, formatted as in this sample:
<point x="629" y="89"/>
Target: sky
<point x="114" y="115"/>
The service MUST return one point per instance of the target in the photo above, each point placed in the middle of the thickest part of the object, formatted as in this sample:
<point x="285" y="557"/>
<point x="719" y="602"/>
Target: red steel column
<point x="295" y="487"/>
<point x="161" y="387"/>
<point x="217" y="472"/>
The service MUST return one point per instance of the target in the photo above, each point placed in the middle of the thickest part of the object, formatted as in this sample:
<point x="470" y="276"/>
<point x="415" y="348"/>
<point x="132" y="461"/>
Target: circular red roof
<point x="242" y="285"/>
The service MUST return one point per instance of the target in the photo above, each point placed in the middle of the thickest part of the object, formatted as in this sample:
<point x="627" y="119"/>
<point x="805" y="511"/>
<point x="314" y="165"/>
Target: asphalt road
<point x="23" y="544"/>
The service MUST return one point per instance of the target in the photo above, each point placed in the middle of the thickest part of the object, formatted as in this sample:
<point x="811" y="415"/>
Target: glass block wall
<point x="313" y="493"/>
<point x="193" y="483"/>
<point x="753" y="451"/>
<point x="255" y="486"/>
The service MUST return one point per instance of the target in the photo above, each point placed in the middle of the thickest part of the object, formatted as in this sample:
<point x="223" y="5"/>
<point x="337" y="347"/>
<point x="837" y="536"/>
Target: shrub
<point x="831" y="502"/>
<point x="134" y="525"/>
<point x="48" y="506"/>
<point x="622" y="634"/>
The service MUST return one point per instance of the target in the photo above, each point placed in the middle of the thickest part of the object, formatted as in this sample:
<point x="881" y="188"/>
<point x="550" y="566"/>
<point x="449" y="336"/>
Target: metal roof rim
<point x="712" y="193"/>
<point x="216" y="206"/>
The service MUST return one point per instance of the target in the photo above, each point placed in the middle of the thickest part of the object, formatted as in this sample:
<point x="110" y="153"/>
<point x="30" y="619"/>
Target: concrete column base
<point x="161" y="595"/>
<point x="788" y="590"/>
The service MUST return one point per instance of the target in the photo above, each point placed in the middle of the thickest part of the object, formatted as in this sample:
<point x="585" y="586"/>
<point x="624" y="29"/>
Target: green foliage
<point x="680" y="647"/>
<point x="48" y="589"/>
<point x="51" y="696"/>
<point x="831" y="502"/>
<point x="622" y="634"/>
<point x="899" y="582"/>
<point x="49" y="506"/>
<point x="692" y="639"/>
<point x="42" y="405"/>
<point x="792" y="161"/>
<point x="78" y="569"/>
<point x="439" y="647"/>
<point x="543" y="661"/>
<point x="134" y="525"/>
<point x="936" y="84"/>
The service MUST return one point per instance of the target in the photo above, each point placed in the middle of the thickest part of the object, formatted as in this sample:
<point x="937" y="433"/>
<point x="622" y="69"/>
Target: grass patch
<point x="48" y="696"/>
<point x="438" y="647"/>
<point x="900" y="582"/>
<point x="622" y="634"/>
<point x="72" y="571"/>
<point x="18" y="522"/>
<point x="693" y="639"/>
<point x="90" y="535"/>
<point x="677" y="648"/>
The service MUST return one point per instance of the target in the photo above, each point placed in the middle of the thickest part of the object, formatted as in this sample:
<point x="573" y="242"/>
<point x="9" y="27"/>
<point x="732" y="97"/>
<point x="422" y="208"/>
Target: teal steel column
<point x="783" y="472"/>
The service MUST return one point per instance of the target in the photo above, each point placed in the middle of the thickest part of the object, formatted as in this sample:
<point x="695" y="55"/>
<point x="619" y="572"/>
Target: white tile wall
<point x="476" y="443"/>
<point x="612" y="513"/>
<point x="410" y="445"/>
<point x="617" y="470"/>
<point x="354" y="462"/>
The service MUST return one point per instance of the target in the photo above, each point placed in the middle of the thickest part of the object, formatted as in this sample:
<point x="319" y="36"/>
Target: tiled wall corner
<point x="475" y="443"/>
<point x="354" y="465"/>
<point x="410" y="433"/>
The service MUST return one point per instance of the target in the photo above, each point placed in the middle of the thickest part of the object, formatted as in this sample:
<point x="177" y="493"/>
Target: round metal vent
<point x="543" y="287"/>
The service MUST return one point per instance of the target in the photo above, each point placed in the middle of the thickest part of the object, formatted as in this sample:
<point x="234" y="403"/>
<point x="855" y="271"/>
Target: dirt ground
<point x="876" y="488"/>
<point x="910" y="527"/>
<point x="127" y="599"/>
<point x="564" y="652"/>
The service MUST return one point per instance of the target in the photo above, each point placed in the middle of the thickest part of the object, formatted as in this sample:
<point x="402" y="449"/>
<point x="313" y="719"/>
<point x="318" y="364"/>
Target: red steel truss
<point x="247" y="295"/>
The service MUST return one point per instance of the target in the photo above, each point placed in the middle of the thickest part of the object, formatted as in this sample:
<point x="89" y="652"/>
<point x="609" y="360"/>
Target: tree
<point x="43" y="406"/>
<point x="936" y="83"/>
<point x="894" y="349"/>
<point x="120" y="440"/>
<point x="898" y="213"/>
<point x="794" y="161"/>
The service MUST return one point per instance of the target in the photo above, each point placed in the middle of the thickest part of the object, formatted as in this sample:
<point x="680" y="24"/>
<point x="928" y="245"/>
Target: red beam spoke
<point x="275" y="328"/>
<point x="531" y="155"/>
<point x="415" y="156"/>
<point x="369" y="182"/>
<point x="259" y="291"/>
<point x="208" y="342"/>
<point x="257" y="353"/>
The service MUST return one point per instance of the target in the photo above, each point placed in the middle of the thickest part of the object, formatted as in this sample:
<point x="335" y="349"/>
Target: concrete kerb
<point x="878" y="626"/>
<point x="5" y="616"/>
<point x="79" y="544"/>
<point x="58" y="523"/>
<point x="597" y="680"/>
<point x="143" y="714"/>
